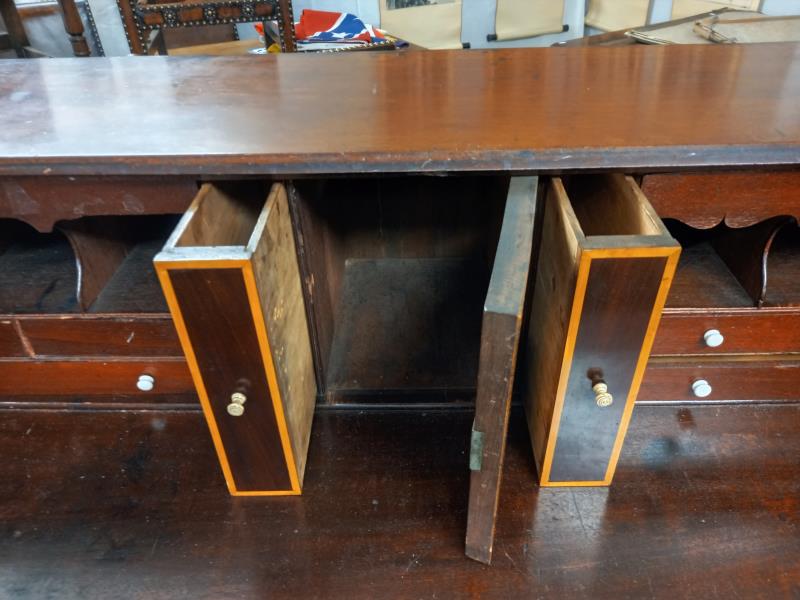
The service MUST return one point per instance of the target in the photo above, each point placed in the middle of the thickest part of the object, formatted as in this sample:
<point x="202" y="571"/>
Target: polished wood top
<point x="543" y="109"/>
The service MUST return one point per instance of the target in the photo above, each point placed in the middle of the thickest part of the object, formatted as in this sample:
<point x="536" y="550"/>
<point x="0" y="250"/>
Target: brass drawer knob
<point x="713" y="338"/>
<point x="701" y="388"/>
<point x="601" y="395"/>
<point x="236" y="407"/>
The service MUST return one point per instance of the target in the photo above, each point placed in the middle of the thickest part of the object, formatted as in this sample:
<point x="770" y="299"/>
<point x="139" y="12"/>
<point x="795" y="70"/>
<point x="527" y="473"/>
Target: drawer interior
<point x="223" y="214"/>
<point x="609" y="205"/>
<point x="399" y="270"/>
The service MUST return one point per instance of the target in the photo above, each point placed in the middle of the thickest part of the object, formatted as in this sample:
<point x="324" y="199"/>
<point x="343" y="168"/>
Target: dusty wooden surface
<point x="705" y="503"/>
<point x="537" y="109"/>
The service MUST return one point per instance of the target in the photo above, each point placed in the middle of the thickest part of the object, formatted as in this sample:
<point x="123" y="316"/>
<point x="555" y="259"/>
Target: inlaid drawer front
<point x="739" y="380"/>
<point x="720" y="332"/>
<point x="605" y="266"/>
<point x="230" y="275"/>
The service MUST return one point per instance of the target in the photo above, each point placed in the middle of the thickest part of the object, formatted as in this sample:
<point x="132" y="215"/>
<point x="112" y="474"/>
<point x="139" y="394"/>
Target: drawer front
<point x="10" y="342"/>
<point x="31" y="377"/>
<point x="751" y="331"/>
<point x="81" y="336"/>
<point x="741" y="199"/>
<point x="727" y="381"/>
<point x="602" y="277"/>
<point x="232" y="283"/>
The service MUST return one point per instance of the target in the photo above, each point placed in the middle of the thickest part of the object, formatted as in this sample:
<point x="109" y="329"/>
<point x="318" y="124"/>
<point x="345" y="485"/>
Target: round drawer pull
<point x="713" y="338"/>
<point x="701" y="388"/>
<point x="146" y="383"/>
<point x="236" y="407"/>
<point x="601" y="395"/>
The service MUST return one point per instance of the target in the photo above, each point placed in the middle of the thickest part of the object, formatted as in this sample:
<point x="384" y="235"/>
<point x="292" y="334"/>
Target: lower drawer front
<point x="748" y="331"/>
<point x="728" y="381"/>
<point x="28" y="377"/>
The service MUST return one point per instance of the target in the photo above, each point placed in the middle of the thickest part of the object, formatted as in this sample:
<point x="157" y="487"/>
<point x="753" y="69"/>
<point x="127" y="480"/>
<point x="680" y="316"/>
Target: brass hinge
<point x="476" y="450"/>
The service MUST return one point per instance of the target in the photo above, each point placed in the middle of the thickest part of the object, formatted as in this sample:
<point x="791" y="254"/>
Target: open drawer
<point x="230" y="275"/>
<point x="603" y="271"/>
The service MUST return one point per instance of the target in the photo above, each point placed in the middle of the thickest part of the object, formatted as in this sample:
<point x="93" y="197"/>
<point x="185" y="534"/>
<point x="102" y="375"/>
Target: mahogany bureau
<point x="576" y="229"/>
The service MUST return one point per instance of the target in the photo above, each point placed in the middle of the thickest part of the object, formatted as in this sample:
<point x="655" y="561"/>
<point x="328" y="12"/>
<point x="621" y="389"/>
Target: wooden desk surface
<point x="543" y="109"/>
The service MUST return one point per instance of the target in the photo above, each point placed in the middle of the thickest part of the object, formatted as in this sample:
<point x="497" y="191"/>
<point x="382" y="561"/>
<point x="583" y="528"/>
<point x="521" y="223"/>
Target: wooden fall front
<point x="318" y="264"/>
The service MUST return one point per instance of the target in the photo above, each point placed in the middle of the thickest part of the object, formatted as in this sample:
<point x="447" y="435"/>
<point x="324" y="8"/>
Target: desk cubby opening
<point x="746" y="267"/>
<point x="396" y="272"/>
<point x="93" y="265"/>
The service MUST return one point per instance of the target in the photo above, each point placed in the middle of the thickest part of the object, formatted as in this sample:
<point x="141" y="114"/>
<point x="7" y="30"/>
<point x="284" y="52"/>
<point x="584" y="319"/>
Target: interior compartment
<point x="39" y="271"/>
<point x="725" y="267"/>
<point x="783" y="268"/>
<point x="396" y="274"/>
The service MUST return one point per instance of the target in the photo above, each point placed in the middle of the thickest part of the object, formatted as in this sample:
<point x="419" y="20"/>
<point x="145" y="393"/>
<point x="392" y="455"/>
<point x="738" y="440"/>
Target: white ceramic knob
<point x="145" y="383"/>
<point x="236" y="407"/>
<point x="701" y="388"/>
<point x="601" y="395"/>
<point x="713" y="338"/>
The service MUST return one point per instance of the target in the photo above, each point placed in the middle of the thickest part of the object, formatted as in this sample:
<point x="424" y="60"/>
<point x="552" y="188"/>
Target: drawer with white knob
<point x="728" y="331"/>
<point x="721" y="381"/>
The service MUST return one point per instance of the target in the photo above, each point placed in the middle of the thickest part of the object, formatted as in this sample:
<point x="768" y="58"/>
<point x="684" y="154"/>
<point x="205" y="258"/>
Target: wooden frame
<point x="141" y="19"/>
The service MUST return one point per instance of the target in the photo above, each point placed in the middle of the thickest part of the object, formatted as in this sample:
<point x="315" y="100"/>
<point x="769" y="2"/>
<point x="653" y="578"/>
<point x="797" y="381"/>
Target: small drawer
<point x="230" y="275"/>
<point x="720" y="332"/>
<point x="84" y="378"/>
<point x="727" y="381"/>
<point x="604" y="268"/>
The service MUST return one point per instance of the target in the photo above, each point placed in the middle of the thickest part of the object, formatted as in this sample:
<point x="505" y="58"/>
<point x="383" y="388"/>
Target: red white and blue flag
<point x="334" y="27"/>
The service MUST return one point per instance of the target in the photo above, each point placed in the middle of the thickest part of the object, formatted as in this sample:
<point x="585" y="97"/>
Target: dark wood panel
<point x="739" y="199"/>
<point x="618" y="303"/>
<point x="41" y="201"/>
<point x="500" y="339"/>
<point x="745" y="331"/>
<point x="407" y="324"/>
<point x="706" y="501"/>
<point x="631" y="107"/>
<point x="118" y="335"/>
<point x="730" y="381"/>
<point x="218" y="319"/>
<point x="29" y="377"/>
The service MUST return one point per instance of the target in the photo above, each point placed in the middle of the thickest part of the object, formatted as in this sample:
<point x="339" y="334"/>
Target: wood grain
<point x="277" y="276"/>
<point x="215" y="310"/>
<point x="730" y="380"/>
<point x="500" y="338"/>
<point x="141" y="489"/>
<point x="43" y="201"/>
<point x="746" y="331"/>
<point x="738" y="199"/>
<point x="616" y="108"/>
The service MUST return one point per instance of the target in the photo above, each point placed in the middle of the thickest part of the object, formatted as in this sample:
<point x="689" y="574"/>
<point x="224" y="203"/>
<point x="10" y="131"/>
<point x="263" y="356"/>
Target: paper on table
<point x="682" y="33"/>
<point x="749" y="31"/>
<point x="688" y="8"/>
<point x="516" y="19"/>
<point x="611" y="15"/>
<point x="434" y="26"/>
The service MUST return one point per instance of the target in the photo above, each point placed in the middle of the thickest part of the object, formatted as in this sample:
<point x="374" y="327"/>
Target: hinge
<point x="476" y="450"/>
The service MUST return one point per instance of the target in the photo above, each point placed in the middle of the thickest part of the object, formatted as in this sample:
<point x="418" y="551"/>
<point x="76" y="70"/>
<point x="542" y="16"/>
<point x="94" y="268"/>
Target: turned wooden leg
<point x="74" y="27"/>
<point x="14" y="28"/>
